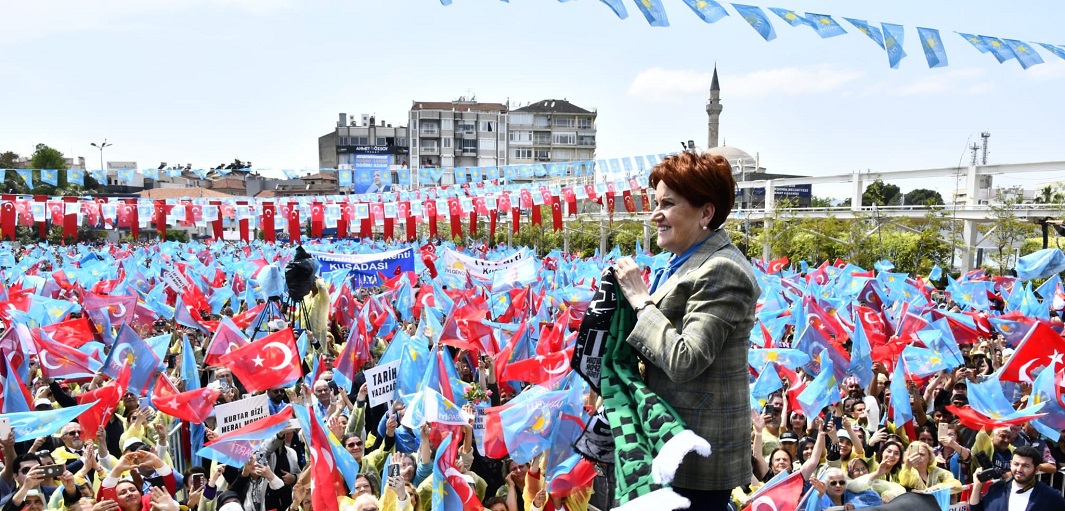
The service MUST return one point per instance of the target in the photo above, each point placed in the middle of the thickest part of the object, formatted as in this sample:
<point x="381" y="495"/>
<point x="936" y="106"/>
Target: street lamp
<point x="101" y="147"/>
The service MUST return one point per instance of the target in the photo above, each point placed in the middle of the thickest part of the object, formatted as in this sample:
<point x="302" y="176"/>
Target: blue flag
<point x="824" y="25"/>
<point x="900" y="402"/>
<point x="820" y="392"/>
<point x="976" y="41"/>
<point x="1026" y="55"/>
<point x="893" y="39"/>
<point x="790" y="17"/>
<point x="757" y="19"/>
<point x="654" y="12"/>
<point x="934" y="53"/>
<point x="129" y="348"/>
<point x="869" y="30"/>
<point x="1041" y="264"/>
<point x="767" y="382"/>
<point x="33" y="425"/>
<point x="50" y="176"/>
<point x="345" y="462"/>
<point x="997" y="48"/>
<point x="27" y="177"/>
<point x="617" y="7"/>
<point x="76" y="177"/>
<point x="1056" y="50"/>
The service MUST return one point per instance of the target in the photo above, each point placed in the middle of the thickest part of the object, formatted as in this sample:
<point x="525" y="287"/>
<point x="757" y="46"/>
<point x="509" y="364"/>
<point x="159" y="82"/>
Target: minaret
<point x="713" y="109"/>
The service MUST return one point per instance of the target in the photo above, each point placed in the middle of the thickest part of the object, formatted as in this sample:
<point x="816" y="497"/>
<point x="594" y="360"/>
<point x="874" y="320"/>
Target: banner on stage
<point x="235" y="415"/>
<point x="365" y="269"/>
<point x="457" y="264"/>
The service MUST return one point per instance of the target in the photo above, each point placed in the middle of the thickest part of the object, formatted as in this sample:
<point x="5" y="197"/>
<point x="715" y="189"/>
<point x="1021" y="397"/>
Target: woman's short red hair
<point x="700" y="179"/>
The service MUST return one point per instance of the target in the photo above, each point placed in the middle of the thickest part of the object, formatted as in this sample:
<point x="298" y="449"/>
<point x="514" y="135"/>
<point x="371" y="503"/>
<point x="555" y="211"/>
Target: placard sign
<point x="231" y="416"/>
<point x="381" y="382"/>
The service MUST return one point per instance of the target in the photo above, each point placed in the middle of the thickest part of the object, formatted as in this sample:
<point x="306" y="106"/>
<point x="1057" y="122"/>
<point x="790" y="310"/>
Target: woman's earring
<point x="704" y="227"/>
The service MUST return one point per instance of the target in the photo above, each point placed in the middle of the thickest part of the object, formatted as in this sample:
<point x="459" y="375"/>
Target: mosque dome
<point x="734" y="156"/>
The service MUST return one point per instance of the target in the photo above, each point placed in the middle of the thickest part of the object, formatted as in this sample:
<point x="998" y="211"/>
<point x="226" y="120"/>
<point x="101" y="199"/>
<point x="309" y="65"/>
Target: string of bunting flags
<point x="888" y="36"/>
<point x="477" y="192"/>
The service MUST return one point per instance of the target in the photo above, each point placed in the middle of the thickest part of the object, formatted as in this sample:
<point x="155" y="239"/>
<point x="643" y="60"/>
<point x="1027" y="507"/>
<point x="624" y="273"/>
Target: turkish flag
<point x="8" y="217"/>
<point x="455" y="215"/>
<point x="781" y="496"/>
<point x="216" y="222"/>
<point x="975" y="420"/>
<point x="1040" y="348"/>
<point x="295" y="230"/>
<point x="589" y="189"/>
<point x="504" y="202"/>
<point x="571" y="200"/>
<point x="430" y="212"/>
<point x="134" y="219"/>
<point x="539" y="369"/>
<point x="160" y="218"/>
<point x="776" y="265"/>
<point x="366" y="228"/>
<point x="57" y="210"/>
<point x="25" y="213"/>
<point x="108" y="397"/>
<point x="243" y="227"/>
<point x="536" y="215"/>
<point x="556" y="213"/>
<point x="317" y="219"/>
<point x="526" y="199"/>
<point x="645" y="202"/>
<point x="324" y="473"/>
<point x="630" y="204"/>
<point x="272" y="361"/>
<point x="91" y="210"/>
<point x="193" y="406"/>
<point x="344" y="221"/>
<point x="491" y="225"/>
<point x="269" y="235"/>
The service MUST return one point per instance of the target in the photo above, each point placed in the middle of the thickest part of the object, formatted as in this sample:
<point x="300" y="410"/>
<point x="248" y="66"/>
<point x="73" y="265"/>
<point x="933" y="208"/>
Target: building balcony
<point x="542" y="141"/>
<point x="429" y="150"/>
<point x="430" y="132"/>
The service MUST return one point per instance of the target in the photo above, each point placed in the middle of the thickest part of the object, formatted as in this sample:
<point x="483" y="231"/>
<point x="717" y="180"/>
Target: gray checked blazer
<point x="695" y="344"/>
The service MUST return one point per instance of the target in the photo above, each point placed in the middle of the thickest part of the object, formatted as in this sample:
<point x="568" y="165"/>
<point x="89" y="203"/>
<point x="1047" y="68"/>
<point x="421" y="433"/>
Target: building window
<point x="414" y="143"/>
<point x="542" y="155"/>
<point x="468" y="146"/>
<point x="446" y="143"/>
<point x="381" y="141"/>
<point x="468" y="127"/>
<point x="521" y="154"/>
<point x="401" y="142"/>
<point x="360" y="140"/>
<point x="445" y="124"/>
<point x="524" y="119"/>
<point x="584" y="123"/>
<point x="562" y="154"/>
<point x="429" y="145"/>
<point x="563" y="122"/>
<point x="565" y="138"/>
<point x="586" y="140"/>
<point x="487" y="144"/>
<point x="521" y="136"/>
<point x="486" y="126"/>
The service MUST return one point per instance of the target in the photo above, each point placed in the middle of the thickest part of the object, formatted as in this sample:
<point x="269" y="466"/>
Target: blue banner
<point x="372" y="173"/>
<point x="365" y="269"/>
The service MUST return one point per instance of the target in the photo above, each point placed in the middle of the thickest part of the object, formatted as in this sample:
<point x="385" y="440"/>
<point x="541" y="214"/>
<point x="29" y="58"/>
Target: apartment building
<point x="549" y="131"/>
<point x="460" y="133"/>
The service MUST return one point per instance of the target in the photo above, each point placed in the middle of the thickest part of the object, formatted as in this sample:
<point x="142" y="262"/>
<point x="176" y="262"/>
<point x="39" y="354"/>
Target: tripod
<point x="298" y="319"/>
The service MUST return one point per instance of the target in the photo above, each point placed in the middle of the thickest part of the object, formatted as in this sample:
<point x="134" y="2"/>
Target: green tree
<point x="1048" y="195"/>
<point x="45" y="157"/>
<point x="881" y="194"/>
<point x="9" y="160"/>
<point x="821" y="202"/>
<point x="923" y="197"/>
<point x="1008" y="231"/>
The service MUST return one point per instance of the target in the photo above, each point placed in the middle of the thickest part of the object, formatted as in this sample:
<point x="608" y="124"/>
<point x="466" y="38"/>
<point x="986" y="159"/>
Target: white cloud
<point x="965" y="81"/>
<point x="671" y="85"/>
<point x="1053" y="69"/>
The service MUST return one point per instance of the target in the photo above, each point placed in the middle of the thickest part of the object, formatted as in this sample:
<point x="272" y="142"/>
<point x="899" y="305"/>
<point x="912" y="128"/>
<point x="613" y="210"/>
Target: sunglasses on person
<point x="837" y="483"/>
<point x="72" y="433"/>
<point x="354" y="443"/>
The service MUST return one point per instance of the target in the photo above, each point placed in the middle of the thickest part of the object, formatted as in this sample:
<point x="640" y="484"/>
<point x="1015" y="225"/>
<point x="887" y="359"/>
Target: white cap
<point x="131" y="441"/>
<point x="232" y="506"/>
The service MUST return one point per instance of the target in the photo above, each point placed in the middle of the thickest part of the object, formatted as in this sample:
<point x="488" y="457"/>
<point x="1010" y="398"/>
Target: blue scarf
<point x="675" y="262"/>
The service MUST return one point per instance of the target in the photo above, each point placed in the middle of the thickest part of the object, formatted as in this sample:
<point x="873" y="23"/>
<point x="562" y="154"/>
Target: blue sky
<point x="203" y="82"/>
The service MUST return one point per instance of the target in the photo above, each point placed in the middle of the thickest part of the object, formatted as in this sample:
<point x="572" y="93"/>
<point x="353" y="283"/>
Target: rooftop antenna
<point x="975" y="148"/>
<point x="985" y="135"/>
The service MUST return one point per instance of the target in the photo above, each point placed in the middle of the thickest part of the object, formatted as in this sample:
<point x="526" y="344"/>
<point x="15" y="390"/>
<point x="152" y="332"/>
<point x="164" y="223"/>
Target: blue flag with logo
<point x="997" y="48"/>
<point x="1056" y="50"/>
<point x="824" y="25"/>
<point x="617" y="7"/>
<point x="76" y="177"/>
<point x="934" y="52"/>
<point x="654" y="12"/>
<point x="707" y="10"/>
<point x="757" y="19"/>
<point x="1026" y="55"/>
<point x="869" y="30"/>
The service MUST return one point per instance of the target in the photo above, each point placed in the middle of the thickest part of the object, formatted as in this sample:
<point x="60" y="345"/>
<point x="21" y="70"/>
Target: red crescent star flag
<point x="324" y="473"/>
<point x="1040" y="348"/>
<point x="106" y="400"/>
<point x="193" y="406"/>
<point x="272" y="361"/>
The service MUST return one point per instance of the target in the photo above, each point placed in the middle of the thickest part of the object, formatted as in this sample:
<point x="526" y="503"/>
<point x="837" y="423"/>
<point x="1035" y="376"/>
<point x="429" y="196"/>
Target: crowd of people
<point x="698" y="318"/>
